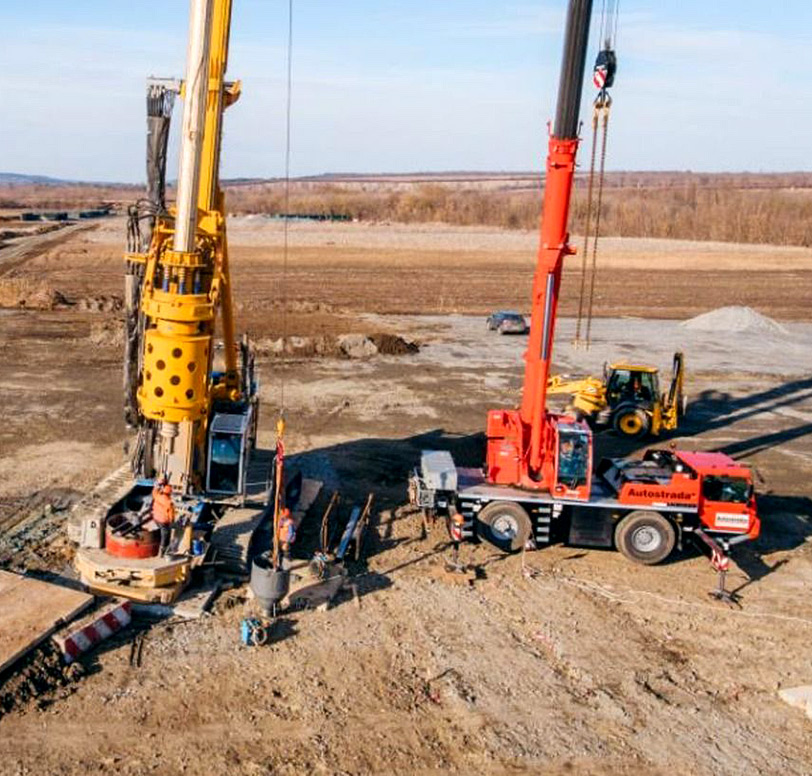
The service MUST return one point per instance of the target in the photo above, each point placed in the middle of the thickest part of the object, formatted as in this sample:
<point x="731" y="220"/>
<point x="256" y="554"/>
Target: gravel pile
<point x="734" y="320"/>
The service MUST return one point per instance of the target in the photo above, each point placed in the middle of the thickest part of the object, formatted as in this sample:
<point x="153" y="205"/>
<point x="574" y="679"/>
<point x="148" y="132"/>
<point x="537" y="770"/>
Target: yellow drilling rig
<point x="196" y="418"/>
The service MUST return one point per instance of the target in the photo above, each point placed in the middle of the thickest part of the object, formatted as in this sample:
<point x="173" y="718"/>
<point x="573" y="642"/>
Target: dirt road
<point x="15" y="252"/>
<point x="564" y="661"/>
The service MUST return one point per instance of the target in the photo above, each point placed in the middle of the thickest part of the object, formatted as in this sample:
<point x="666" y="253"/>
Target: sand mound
<point x="393" y="345"/>
<point x="30" y="295"/>
<point x="107" y="334"/>
<point x="342" y="346"/>
<point x="734" y="320"/>
<point x="100" y="304"/>
<point x="41" y="673"/>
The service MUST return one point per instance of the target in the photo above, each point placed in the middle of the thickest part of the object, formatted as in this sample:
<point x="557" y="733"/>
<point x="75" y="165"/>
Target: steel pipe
<point x="194" y="117"/>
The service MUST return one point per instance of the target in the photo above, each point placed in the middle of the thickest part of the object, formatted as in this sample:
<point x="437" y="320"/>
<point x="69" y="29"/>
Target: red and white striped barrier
<point x="74" y="641"/>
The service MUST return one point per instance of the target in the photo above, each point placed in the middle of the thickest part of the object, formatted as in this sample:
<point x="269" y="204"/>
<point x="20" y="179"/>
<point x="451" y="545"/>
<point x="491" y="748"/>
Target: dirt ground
<point x="562" y="661"/>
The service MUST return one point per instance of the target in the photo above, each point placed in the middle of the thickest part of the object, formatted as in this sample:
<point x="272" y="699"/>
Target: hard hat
<point x="285" y="512"/>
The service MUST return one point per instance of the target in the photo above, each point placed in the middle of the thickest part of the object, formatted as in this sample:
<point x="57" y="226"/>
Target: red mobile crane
<point x="538" y="478"/>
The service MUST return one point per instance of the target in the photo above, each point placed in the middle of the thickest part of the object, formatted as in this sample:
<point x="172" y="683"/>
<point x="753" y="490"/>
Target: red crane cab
<point x="727" y="501"/>
<point x="566" y="471"/>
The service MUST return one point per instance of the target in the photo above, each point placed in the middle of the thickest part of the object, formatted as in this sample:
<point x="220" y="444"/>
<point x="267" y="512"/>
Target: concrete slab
<point x="231" y="538"/>
<point x="310" y="492"/>
<point x="30" y="611"/>
<point x="195" y="602"/>
<point x="309" y="591"/>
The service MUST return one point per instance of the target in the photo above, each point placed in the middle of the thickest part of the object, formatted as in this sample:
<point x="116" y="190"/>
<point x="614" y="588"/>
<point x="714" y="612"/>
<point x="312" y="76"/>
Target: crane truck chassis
<point x="642" y="507"/>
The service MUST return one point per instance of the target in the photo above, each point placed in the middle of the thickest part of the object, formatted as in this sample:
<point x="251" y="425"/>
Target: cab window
<point x="629" y="385"/>
<point x="573" y="458"/>
<point x="224" y="464"/>
<point x="731" y="490"/>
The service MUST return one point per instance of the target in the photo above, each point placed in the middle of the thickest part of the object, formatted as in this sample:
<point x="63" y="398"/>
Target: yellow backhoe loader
<point x="627" y="398"/>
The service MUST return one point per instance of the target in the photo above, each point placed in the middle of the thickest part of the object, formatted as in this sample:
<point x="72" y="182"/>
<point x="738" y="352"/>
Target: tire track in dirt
<point x="13" y="256"/>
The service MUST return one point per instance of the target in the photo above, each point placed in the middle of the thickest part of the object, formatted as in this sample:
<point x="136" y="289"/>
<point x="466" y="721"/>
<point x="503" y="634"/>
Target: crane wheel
<point x="506" y="524"/>
<point x="631" y="422"/>
<point x="645" y="537"/>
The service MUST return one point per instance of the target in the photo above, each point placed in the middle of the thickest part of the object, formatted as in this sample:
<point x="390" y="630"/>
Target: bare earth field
<point x="566" y="661"/>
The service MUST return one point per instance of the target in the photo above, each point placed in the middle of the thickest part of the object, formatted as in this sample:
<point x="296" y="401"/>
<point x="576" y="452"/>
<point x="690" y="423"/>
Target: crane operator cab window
<point x="573" y="456"/>
<point x="730" y="490"/>
<point x="631" y="385"/>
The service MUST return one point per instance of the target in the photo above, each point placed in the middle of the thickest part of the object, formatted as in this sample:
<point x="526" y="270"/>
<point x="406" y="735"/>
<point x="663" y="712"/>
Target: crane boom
<point x="554" y="241"/>
<point x="522" y="445"/>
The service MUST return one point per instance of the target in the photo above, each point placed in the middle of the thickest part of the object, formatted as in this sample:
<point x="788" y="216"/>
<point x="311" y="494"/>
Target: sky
<point x="417" y="85"/>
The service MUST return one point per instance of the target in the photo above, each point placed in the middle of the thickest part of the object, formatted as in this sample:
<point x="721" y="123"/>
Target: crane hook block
<point x="603" y="76"/>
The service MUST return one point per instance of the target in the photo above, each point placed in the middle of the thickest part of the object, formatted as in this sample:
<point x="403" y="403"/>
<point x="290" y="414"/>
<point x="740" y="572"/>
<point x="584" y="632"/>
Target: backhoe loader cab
<point x="628" y="398"/>
<point x="624" y="382"/>
<point x="632" y="399"/>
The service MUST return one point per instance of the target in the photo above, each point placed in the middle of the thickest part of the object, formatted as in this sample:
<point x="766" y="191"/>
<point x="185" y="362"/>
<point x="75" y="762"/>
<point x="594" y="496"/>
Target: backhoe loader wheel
<point x="631" y="422"/>
<point x="506" y="524"/>
<point x="645" y="537"/>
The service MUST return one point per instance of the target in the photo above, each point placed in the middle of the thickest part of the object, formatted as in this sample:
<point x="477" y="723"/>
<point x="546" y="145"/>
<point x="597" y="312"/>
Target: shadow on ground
<point x="382" y="467"/>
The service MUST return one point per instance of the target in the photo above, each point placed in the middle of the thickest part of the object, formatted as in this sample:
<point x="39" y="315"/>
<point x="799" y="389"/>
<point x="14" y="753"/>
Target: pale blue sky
<point x="381" y="85"/>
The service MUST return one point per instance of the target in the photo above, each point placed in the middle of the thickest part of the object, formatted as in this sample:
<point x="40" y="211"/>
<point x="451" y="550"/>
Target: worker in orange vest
<point x="455" y="524"/>
<point x="286" y="532"/>
<point x="163" y="510"/>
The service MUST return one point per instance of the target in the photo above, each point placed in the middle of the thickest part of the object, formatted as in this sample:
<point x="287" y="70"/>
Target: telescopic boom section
<point x="194" y="119"/>
<point x="530" y="429"/>
<point x="554" y="246"/>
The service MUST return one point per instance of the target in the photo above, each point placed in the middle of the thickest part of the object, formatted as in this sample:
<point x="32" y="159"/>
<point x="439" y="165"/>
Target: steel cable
<point x="286" y="215"/>
<point x="607" y="103"/>
<point x="579" y="319"/>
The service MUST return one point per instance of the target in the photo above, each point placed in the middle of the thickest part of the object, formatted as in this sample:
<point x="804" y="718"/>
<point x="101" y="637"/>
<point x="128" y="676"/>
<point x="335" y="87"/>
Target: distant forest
<point x="730" y="207"/>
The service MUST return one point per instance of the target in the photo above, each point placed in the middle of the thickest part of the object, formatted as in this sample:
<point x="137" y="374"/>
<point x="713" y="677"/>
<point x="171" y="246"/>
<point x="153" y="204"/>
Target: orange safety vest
<point x="163" y="509"/>
<point x="455" y="527"/>
<point x="287" y="529"/>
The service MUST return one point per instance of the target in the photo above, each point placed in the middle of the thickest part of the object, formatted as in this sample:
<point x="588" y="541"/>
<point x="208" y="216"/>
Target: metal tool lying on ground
<point x="539" y="481"/>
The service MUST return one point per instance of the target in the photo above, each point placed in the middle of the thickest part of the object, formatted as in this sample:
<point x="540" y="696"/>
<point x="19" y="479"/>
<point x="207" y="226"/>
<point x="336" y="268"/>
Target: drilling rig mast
<point x="184" y="286"/>
<point x="196" y="420"/>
